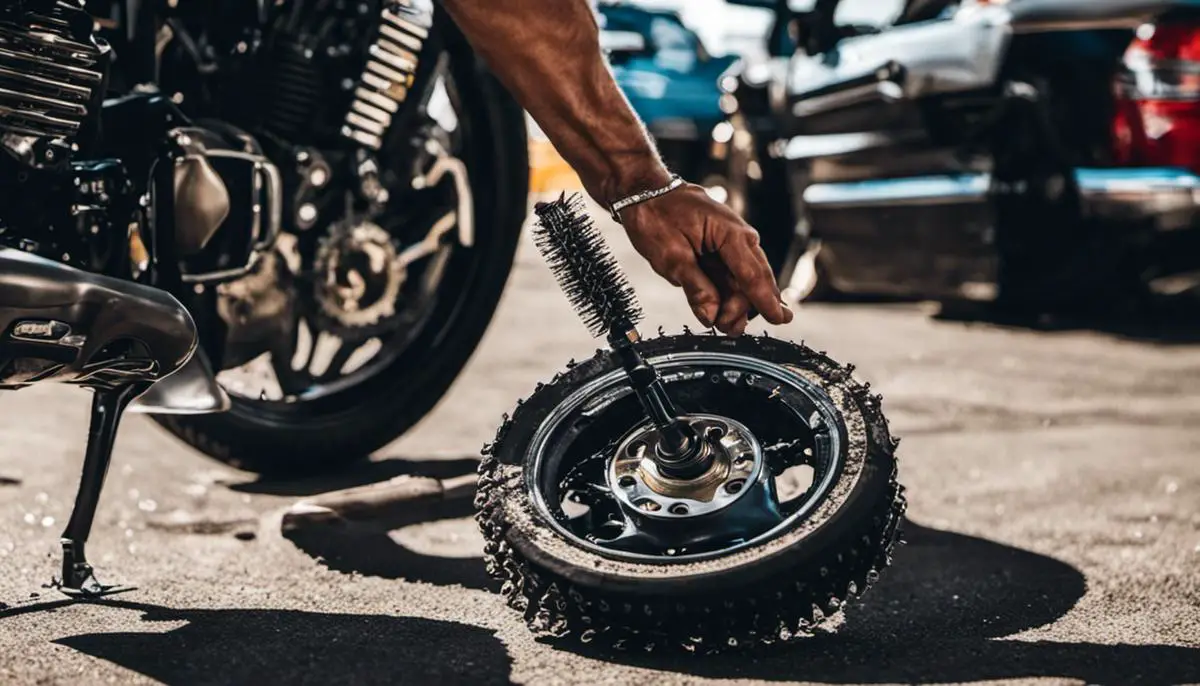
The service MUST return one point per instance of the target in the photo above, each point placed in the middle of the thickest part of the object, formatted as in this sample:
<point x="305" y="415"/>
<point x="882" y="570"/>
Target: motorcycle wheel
<point x="332" y="431"/>
<point x="562" y="570"/>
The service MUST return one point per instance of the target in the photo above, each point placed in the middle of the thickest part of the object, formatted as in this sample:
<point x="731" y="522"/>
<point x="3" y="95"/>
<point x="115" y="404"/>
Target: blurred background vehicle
<point x="671" y="81"/>
<point x="1041" y="155"/>
<point x="661" y="57"/>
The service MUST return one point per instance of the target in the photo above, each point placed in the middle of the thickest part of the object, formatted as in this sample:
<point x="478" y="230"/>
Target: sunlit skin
<point x="547" y="53"/>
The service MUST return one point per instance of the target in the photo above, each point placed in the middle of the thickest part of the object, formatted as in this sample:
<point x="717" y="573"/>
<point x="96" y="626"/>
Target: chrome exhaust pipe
<point x="59" y="324"/>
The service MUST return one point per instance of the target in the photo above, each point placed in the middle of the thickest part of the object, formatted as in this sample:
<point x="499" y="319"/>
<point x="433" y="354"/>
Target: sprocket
<point x="358" y="279"/>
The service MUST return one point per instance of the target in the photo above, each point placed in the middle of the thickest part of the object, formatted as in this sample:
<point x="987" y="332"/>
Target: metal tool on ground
<point x="386" y="504"/>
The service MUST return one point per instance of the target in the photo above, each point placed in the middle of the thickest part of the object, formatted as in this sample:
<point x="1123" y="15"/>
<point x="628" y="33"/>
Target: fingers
<point x="735" y="306"/>
<point x="702" y="295"/>
<point x="753" y="276"/>
<point x="733" y="317"/>
<point x="713" y="255"/>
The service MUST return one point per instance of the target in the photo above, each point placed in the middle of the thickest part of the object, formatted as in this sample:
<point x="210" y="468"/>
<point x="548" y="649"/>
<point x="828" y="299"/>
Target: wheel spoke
<point x="338" y="361"/>
<point x="788" y="453"/>
<point x="432" y="241"/>
<point x="291" y="380"/>
<point x="587" y="486"/>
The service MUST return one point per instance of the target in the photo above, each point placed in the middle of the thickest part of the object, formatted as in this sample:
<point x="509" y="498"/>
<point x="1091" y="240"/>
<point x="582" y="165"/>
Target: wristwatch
<point x="638" y="198"/>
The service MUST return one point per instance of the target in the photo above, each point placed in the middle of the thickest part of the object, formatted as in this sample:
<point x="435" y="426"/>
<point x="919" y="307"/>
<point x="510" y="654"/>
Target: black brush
<point x="586" y="271"/>
<point x="593" y="281"/>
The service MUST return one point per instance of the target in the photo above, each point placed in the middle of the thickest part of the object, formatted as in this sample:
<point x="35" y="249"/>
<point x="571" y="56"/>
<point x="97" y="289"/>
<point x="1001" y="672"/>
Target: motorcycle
<point x="333" y="194"/>
<point x="195" y="196"/>
<point x="1037" y="154"/>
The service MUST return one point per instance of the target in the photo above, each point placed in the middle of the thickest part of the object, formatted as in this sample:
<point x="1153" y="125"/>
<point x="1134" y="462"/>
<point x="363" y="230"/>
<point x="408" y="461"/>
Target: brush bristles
<point x="586" y="271"/>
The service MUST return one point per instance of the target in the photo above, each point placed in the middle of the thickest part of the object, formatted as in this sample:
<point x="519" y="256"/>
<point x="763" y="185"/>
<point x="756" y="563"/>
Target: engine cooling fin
<point x="389" y="73"/>
<point x="51" y="70"/>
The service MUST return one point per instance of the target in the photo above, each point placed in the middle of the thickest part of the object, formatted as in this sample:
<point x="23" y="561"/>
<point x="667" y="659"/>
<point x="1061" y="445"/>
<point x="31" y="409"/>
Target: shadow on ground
<point x="285" y="646"/>
<point x="369" y="550"/>
<point x="938" y="616"/>
<point x="361" y="474"/>
<point x="1167" y="319"/>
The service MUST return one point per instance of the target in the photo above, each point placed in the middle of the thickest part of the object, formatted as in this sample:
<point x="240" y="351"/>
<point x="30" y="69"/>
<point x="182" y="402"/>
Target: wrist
<point x="634" y="176"/>
<point x="643" y="196"/>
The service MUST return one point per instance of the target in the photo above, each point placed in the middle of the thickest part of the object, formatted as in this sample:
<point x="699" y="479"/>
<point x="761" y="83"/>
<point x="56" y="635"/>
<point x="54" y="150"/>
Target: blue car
<point x="669" y="78"/>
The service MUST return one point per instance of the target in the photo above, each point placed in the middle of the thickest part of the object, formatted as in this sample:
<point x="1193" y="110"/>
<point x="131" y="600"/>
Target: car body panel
<point x="672" y="84"/>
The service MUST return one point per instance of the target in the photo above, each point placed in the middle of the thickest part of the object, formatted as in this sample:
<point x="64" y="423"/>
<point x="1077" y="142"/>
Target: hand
<point x="706" y="249"/>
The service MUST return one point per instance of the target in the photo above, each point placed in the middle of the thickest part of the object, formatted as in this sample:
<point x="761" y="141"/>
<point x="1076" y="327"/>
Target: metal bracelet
<point x="638" y="198"/>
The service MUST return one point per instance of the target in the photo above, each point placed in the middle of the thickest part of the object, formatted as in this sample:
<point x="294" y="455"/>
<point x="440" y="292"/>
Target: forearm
<point x="547" y="53"/>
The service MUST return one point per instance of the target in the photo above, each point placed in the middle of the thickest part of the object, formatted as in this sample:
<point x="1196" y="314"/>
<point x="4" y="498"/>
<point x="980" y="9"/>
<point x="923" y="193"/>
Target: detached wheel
<point x="762" y="559"/>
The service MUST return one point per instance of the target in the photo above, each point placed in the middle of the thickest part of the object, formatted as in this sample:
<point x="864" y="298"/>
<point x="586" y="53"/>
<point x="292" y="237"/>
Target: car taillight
<point x="1157" y="117"/>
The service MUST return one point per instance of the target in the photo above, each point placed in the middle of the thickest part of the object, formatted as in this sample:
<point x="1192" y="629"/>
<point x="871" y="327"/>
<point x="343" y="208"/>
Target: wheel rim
<point x="291" y="382"/>
<point x="792" y="417"/>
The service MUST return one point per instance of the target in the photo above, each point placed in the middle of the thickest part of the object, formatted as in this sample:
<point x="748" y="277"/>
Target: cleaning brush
<point x="586" y="271"/>
<point x="592" y="280"/>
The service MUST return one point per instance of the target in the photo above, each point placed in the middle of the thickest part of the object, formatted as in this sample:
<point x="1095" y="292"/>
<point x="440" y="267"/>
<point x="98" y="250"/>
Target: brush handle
<point x="678" y="454"/>
<point x="648" y="385"/>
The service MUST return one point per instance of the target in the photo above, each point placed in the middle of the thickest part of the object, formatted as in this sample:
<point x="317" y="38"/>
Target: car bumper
<point x="1168" y="197"/>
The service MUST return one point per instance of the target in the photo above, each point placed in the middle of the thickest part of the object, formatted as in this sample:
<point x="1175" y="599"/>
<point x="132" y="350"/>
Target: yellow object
<point x="138" y="254"/>
<point x="548" y="171"/>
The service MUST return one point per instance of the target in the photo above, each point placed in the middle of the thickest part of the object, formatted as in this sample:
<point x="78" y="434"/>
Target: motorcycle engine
<point x="264" y="119"/>
<point x="71" y="195"/>
<point x="52" y="81"/>
<point x="330" y="75"/>
<point x="320" y="85"/>
<point x="52" y="73"/>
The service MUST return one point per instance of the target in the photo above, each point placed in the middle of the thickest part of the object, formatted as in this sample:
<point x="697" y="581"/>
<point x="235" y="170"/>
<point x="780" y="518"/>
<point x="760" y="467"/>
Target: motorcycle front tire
<point x="311" y="438"/>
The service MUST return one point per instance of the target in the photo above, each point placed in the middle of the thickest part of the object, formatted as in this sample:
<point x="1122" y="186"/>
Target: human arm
<point x="547" y="53"/>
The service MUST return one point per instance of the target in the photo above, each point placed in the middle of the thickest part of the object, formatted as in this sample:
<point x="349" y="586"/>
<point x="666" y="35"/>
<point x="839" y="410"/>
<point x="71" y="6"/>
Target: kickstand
<point x="78" y="577"/>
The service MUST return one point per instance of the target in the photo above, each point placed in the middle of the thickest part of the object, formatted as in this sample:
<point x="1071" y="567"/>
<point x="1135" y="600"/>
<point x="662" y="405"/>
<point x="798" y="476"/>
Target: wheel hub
<point x="733" y="499"/>
<point x="359" y="276"/>
<point x="639" y="485"/>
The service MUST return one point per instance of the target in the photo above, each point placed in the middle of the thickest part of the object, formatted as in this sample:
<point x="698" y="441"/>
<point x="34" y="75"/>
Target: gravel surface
<point x="1054" y="536"/>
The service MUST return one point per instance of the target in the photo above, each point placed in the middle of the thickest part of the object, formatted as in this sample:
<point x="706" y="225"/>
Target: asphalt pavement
<point x="1054" y="533"/>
